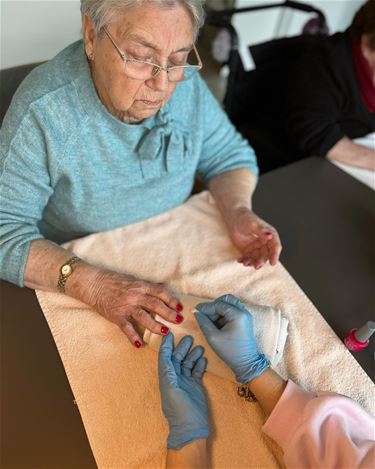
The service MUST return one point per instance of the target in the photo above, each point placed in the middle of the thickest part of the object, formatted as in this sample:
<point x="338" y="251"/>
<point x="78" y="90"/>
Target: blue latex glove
<point x="183" y="397"/>
<point x="228" y="328"/>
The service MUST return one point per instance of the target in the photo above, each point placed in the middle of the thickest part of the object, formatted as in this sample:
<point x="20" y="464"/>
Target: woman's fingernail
<point x="160" y="283"/>
<point x="179" y="318"/>
<point x="137" y="344"/>
<point x="164" y="330"/>
<point x="179" y="307"/>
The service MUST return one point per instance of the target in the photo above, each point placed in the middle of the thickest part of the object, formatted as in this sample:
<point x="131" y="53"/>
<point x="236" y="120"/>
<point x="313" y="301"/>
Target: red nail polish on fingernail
<point x="179" y="318"/>
<point x="179" y="307"/>
<point x="164" y="330"/>
<point x="137" y="344"/>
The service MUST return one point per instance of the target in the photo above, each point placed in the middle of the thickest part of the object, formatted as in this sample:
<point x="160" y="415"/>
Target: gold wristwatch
<point x="65" y="272"/>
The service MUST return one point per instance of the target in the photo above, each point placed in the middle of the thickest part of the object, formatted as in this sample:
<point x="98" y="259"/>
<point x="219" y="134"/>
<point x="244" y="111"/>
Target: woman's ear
<point x="88" y="36"/>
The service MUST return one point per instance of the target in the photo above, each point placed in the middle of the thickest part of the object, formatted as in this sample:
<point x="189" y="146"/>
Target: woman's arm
<point x="352" y="154"/>
<point x="120" y="298"/>
<point x="42" y="271"/>
<point x="257" y="241"/>
<point x="233" y="190"/>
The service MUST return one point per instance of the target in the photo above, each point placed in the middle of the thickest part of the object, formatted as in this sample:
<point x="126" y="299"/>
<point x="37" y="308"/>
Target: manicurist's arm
<point x="191" y="456"/>
<point x="321" y="430"/>
<point x="315" y="430"/>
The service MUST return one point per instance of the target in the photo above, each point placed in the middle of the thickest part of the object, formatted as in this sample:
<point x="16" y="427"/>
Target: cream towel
<point x="116" y="386"/>
<point x="270" y="331"/>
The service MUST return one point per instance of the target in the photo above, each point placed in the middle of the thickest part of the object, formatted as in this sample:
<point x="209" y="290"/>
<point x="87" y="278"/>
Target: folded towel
<point x="270" y="330"/>
<point x="116" y="386"/>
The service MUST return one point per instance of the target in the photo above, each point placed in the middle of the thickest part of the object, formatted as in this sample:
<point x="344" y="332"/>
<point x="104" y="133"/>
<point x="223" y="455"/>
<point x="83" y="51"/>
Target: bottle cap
<point x="365" y="332"/>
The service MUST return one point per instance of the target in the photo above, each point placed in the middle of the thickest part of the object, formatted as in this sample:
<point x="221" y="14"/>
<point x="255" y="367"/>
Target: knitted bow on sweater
<point x="163" y="148"/>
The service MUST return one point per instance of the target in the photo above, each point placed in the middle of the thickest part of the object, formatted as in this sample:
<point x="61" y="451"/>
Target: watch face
<point x="66" y="269"/>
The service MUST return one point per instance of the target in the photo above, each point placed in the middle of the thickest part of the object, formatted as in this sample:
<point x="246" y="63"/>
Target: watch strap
<point x="63" y="278"/>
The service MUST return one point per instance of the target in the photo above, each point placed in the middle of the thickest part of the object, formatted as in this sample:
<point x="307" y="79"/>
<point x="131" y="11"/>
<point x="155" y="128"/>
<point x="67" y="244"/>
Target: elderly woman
<point x="112" y="131"/>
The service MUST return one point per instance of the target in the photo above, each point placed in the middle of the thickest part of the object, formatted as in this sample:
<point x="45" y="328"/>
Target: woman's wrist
<point x="83" y="283"/>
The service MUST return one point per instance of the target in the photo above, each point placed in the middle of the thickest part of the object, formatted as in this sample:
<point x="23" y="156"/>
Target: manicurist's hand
<point x="129" y="302"/>
<point x="183" y="397"/>
<point x="228" y="328"/>
<point x="258" y="241"/>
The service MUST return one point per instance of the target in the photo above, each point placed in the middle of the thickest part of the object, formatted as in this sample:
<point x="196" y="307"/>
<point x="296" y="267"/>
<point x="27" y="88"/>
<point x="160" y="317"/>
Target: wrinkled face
<point x="158" y="35"/>
<point x="369" y="54"/>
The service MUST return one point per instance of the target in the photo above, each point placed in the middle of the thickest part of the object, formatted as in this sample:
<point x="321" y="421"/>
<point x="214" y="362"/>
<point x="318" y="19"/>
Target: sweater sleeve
<point x="223" y="147"/>
<point x="313" y="109"/>
<point x="322" y="430"/>
<point x="24" y="189"/>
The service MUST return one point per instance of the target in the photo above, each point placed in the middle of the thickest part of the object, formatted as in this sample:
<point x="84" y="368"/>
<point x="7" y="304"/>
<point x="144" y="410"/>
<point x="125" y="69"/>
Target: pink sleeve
<point x="321" y="430"/>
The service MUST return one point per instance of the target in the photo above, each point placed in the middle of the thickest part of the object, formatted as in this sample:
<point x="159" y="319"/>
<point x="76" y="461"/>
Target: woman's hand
<point x="228" y="328"/>
<point x="183" y="397"/>
<point x="258" y="241"/>
<point x="128" y="302"/>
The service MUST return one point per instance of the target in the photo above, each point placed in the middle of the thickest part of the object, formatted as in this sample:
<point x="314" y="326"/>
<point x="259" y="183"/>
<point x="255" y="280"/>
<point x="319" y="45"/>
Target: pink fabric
<point x="322" y="430"/>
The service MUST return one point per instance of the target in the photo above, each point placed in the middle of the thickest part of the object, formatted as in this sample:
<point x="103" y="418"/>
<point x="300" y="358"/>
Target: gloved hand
<point x="183" y="397"/>
<point x="228" y="328"/>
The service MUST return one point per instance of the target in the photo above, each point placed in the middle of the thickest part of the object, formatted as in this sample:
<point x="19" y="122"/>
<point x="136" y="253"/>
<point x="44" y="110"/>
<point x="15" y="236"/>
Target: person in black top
<point x="332" y="95"/>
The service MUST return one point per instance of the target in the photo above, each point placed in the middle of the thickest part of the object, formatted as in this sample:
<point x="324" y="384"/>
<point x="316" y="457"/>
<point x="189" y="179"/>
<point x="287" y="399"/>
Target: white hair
<point x="101" y="12"/>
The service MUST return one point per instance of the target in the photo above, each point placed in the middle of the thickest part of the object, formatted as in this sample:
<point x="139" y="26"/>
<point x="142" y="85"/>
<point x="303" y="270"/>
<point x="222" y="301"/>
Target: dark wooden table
<point x="326" y="220"/>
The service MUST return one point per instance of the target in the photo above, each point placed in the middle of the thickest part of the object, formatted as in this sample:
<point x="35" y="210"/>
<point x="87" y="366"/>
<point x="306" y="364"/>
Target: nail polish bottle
<point x="358" y="339"/>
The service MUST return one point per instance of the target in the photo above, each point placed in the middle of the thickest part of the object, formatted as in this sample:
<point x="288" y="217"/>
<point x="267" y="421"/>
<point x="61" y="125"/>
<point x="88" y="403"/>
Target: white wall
<point x="255" y="27"/>
<point x="339" y="14"/>
<point x="34" y="30"/>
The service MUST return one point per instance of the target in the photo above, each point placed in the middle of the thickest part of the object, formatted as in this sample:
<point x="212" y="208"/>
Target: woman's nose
<point x="159" y="81"/>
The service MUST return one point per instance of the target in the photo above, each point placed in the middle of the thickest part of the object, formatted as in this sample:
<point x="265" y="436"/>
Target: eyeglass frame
<point x="158" y="68"/>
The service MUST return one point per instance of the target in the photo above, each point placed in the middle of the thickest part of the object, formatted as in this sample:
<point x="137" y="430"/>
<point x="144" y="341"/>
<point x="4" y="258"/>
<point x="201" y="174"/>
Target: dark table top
<point x="326" y="220"/>
<point x="41" y="427"/>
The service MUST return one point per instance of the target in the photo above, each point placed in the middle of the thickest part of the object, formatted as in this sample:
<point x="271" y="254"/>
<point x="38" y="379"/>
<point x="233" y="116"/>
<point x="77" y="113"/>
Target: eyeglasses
<point x="143" y="70"/>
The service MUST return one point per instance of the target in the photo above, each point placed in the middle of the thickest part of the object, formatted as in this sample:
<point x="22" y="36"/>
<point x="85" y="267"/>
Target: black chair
<point x="10" y="79"/>
<point x="256" y="101"/>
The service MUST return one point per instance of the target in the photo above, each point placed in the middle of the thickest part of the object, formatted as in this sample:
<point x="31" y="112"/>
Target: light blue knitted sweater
<point x="69" y="168"/>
